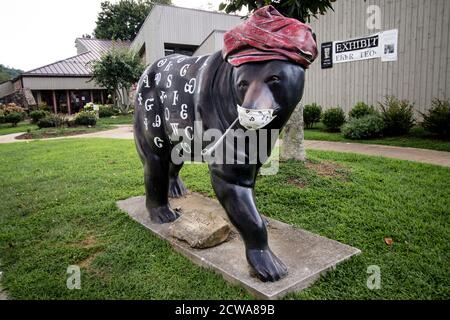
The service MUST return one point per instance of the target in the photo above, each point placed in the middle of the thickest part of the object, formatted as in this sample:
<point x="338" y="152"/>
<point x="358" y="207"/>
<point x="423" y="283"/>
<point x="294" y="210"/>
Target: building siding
<point x="213" y="43"/>
<point x="6" y="88"/>
<point x="168" y="24"/>
<point x="59" y="83"/>
<point x="421" y="72"/>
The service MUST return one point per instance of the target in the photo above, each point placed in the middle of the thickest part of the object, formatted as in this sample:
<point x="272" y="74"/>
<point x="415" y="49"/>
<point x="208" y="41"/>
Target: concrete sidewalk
<point x="440" y="158"/>
<point x="121" y="132"/>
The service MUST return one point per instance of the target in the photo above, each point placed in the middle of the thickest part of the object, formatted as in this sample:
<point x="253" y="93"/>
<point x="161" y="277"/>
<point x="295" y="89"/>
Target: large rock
<point x="293" y="143"/>
<point x="200" y="229"/>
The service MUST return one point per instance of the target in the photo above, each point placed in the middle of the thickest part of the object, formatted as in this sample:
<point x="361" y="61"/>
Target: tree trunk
<point x="293" y="141"/>
<point x="121" y="103"/>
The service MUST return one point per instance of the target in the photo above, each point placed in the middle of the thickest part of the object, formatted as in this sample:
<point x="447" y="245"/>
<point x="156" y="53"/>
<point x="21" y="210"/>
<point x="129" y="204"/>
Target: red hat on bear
<point x="268" y="35"/>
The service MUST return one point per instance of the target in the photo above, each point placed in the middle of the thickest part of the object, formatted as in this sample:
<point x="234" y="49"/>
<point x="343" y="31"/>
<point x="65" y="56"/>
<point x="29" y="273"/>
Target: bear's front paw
<point x="266" y="265"/>
<point x="163" y="214"/>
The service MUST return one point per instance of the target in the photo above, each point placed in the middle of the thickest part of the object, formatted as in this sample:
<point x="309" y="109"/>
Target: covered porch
<point x="69" y="101"/>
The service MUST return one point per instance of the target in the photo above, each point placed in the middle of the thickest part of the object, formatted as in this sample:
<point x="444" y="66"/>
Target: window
<point x="184" y="49"/>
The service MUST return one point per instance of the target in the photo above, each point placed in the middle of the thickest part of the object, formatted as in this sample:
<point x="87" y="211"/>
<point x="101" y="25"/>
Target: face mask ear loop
<point x="210" y="150"/>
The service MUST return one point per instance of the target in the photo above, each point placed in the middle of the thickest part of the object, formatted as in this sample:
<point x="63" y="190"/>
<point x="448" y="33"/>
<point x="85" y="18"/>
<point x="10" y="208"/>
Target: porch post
<point x="39" y="97"/>
<point x="92" y="96"/>
<point x="101" y="96"/>
<point x="68" y="102"/>
<point x="54" y="102"/>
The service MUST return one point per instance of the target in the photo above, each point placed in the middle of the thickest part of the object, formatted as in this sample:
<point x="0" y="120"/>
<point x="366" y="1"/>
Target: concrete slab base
<point x="306" y="255"/>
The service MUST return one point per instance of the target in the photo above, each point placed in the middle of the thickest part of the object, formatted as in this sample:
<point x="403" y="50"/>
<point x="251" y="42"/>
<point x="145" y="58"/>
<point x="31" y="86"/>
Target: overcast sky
<point x="34" y="33"/>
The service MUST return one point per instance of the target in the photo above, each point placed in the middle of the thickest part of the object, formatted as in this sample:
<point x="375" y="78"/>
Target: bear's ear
<point x="215" y="98"/>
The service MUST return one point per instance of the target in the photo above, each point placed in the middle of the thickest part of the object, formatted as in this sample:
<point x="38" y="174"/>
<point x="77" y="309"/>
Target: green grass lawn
<point x="58" y="209"/>
<point x="416" y="139"/>
<point x="128" y="119"/>
<point x="6" y="128"/>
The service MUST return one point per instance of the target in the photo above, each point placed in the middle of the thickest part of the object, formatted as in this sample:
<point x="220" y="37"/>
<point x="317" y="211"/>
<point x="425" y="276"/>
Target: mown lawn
<point x="417" y="138"/>
<point x="58" y="209"/>
<point x="6" y="128"/>
<point x="120" y="119"/>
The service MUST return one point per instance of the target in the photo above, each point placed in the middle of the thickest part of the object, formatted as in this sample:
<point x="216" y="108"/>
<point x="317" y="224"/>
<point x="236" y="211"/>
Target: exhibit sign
<point x="382" y="45"/>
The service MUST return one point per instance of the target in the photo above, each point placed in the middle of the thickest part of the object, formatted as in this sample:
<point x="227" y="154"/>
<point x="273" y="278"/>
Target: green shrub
<point x="44" y="107"/>
<point x="37" y="115"/>
<point x="52" y="120"/>
<point x="437" y="119"/>
<point x="369" y="126"/>
<point x="360" y="110"/>
<point x="11" y="108"/>
<point x="2" y="116"/>
<point x="398" y="116"/>
<point x="89" y="106"/>
<point x="106" y="112"/>
<point x="311" y="114"/>
<point x="86" y="118"/>
<point x="333" y="118"/>
<point x="46" y="122"/>
<point x="14" y="118"/>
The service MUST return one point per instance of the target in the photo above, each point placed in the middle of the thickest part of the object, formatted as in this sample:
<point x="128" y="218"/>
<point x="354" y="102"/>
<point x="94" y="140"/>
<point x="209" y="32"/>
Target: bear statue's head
<point x="269" y="53"/>
<point x="266" y="90"/>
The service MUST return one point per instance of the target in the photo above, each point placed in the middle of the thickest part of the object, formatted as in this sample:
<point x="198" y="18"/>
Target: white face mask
<point x="254" y="119"/>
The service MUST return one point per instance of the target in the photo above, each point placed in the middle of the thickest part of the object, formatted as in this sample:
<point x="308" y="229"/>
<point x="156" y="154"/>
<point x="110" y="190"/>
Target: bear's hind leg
<point x="177" y="188"/>
<point x="156" y="177"/>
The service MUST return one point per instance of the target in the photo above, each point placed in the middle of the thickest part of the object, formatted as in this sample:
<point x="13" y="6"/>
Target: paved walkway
<point x="441" y="158"/>
<point x="121" y="132"/>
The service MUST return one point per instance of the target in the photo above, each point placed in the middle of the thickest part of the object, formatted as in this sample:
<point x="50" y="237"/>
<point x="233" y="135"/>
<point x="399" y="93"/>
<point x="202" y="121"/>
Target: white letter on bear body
<point x="148" y="105"/>
<point x="169" y="81"/>
<point x="167" y="114"/>
<point x="161" y="63"/>
<point x="183" y="112"/>
<point x="145" y="80"/>
<point x="157" y="122"/>
<point x="175" y="98"/>
<point x="162" y="96"/>
<point x="189" y="132"/>
<point x="184" y="69"/>
<point x="167" y="68"/>
<point x="174" y="129"/>
<point x="140" y="98"/>
<point x="157" y="78"/>
<point x="158" y="142"/>
<point x="74" y="280"/>
<point x="190" y="86"/>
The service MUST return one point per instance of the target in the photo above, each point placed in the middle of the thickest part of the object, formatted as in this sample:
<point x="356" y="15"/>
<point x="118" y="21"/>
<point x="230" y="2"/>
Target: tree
<point x="8" y="73"/>
<point x="301" y="10"/>
<point x="122" y="20"/>
<point x="118" y="70"/>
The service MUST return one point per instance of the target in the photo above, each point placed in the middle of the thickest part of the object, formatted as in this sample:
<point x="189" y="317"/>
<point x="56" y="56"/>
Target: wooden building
<point x="420" y="71"/>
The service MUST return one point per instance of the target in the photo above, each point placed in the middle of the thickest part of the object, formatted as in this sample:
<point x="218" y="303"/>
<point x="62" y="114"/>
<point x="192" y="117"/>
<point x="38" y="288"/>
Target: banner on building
<point x="382" y="45"/>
